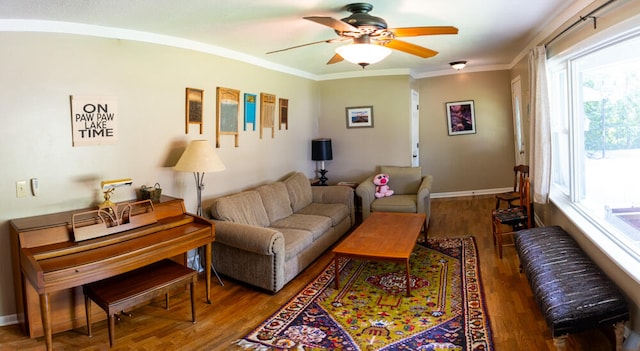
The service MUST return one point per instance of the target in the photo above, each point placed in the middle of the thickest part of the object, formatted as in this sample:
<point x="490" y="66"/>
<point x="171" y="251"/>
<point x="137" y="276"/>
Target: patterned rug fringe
<point x="247" y="345"/>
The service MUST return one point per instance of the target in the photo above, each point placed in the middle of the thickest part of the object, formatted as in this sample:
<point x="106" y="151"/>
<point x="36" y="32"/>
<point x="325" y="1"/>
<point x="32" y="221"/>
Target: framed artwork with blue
<point x="250" y="110"/>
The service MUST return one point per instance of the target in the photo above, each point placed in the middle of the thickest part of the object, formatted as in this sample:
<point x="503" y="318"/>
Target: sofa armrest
<point x="424" y="196"/>
<point x="366" y="190"/>
<point x="259" y="240"/>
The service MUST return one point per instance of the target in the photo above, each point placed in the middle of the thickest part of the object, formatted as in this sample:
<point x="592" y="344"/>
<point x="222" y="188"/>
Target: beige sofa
<point x="267" y="235"/>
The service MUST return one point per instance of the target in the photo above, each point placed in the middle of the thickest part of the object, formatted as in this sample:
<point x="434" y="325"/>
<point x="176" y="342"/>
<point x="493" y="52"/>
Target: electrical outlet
<point x="21" y="188"/>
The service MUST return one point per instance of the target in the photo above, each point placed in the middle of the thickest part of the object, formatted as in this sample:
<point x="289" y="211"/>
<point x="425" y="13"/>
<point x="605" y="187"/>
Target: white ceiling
<point x="491" y="32"/>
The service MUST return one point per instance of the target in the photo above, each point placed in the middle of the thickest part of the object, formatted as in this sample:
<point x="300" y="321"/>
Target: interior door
<point x="415" y="129"/>
<point x="518" y="125"/>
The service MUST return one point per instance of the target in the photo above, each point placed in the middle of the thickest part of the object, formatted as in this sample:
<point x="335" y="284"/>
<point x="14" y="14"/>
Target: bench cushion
<point x="572" y="292"/>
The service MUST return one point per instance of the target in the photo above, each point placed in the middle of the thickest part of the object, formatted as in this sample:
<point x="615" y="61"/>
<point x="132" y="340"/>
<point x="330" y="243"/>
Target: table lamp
<point x="321" y="151"/>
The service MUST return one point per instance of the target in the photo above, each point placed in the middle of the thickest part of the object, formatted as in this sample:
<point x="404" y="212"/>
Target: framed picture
<point x="227" y="112"/>
<point x="360" y="117"/>
<point x="461" y="117"/>
<point x="267" y="113"/>
<point x="193" y="107"/>
<point x="284" y="113"/>
<point x="250" y="110"/>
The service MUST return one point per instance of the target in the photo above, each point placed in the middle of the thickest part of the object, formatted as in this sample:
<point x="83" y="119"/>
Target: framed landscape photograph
<point x="360" y="117"/>
<point x="461" y="117"/>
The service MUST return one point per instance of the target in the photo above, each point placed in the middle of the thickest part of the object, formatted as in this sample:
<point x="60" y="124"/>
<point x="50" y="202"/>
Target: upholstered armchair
<point x="411" y="192"/>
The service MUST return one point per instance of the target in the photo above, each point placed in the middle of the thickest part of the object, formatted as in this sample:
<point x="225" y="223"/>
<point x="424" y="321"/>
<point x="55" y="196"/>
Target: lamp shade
<point x="199" y="157"/>
<point x="321" y="149"/>
<point x="458" y="65"/>
<point x="363" y="54"/>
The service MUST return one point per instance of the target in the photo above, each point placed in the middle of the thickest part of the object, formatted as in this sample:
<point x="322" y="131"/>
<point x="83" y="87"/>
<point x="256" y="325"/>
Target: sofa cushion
<point x="275" y="200"/>
<point x="317" y="225"/>
<point x="403" y="180"/>
<point x="395" y="203"/>
<point x="295" y="240"/>
<point x="337" y="212"/>
<point x="244" y="207"/>
<point x="299" y="189"/>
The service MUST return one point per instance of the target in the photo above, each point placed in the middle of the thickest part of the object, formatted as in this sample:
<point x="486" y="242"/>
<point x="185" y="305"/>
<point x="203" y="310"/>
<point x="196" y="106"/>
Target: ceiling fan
<point x="369" y="32"/>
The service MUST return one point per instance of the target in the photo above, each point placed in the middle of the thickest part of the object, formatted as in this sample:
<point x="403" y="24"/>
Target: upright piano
<point x="50" y="265"/>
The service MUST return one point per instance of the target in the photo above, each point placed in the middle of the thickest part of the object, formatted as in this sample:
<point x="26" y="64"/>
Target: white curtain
<point x="539" y="126"/>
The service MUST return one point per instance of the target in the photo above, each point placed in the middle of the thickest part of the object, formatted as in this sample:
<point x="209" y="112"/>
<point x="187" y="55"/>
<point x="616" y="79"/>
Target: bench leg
<point x="561" y="342"/>
<point x="619" y="331"/>
<point x="112" y="330"/>
<point x="193" y="301"/>
<point x="87" y="311"/>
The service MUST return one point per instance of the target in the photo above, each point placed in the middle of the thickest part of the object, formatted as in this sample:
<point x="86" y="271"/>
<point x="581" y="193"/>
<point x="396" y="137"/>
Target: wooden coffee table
<point x="383" y="236"/>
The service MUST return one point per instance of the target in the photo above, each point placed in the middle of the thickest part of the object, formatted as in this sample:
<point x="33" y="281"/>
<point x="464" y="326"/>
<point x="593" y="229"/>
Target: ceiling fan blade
<point x="417" y="31"/>
<point x="333" y="23"/>
<point x="335" y="59"/>
<point x="411" y="48"/>
<point x="307" y="44"/>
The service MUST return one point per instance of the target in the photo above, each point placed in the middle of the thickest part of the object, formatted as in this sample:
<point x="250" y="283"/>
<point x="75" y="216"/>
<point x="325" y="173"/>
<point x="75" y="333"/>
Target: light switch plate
<point x="21" y="188"/>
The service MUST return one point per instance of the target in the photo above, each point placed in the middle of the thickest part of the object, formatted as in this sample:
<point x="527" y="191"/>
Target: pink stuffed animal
<point x="382" y="189"/>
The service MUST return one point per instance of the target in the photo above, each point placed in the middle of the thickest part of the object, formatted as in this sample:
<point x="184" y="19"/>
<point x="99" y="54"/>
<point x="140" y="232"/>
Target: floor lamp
<point x="321" y="151"/>
<point x="200" y="158"/>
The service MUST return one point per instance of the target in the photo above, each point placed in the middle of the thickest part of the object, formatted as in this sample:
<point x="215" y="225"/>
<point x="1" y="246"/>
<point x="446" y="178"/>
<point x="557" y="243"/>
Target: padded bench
<point x="130" y="289"/>
<point x="572" y="292"/>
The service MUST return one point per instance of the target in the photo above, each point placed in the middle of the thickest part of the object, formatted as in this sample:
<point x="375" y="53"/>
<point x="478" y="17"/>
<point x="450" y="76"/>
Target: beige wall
<point x="470" y="162"/>
<point x="358" y="151"/>
<point x="40" y="72"/>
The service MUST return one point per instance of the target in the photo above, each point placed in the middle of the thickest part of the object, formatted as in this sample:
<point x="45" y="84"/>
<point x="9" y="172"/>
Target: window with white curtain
<point x="595" y="99"/>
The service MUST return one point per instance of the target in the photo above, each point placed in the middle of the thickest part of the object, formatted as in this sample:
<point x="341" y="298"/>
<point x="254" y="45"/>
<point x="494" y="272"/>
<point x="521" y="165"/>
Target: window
<point x="595" y="98"/>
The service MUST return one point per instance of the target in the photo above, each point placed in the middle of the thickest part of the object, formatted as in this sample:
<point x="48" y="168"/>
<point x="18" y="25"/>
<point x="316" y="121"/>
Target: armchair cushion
<point x="396" y="203"/>
<point x="403" y="180"/>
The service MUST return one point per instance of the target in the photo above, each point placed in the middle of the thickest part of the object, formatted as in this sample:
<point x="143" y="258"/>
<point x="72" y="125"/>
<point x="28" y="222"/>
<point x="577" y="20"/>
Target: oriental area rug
<point x="371" y="311"/>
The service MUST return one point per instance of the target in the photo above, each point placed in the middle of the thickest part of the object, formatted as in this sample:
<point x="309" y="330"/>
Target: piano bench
<point x="133" y="288"/>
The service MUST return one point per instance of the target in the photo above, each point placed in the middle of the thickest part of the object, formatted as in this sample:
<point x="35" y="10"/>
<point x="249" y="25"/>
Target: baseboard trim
<point x="8" y="320"/>
<point x="470" y="193"/>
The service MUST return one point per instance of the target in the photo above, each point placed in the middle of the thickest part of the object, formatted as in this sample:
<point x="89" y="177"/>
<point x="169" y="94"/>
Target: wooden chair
<point x="518" y="217"/>
<point x="519" y="173"/>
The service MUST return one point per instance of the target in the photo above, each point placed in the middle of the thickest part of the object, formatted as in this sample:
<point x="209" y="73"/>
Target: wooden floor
<point x="515" y="319"/>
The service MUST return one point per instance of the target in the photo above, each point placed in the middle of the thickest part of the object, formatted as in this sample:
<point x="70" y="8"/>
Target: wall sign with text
<point x="94" y="120"/>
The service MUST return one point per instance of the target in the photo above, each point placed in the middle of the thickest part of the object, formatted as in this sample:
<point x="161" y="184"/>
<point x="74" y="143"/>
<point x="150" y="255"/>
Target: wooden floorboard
<point x="516" y="322"/>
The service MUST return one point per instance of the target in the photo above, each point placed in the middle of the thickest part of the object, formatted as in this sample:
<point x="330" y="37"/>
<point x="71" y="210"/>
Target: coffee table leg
<point x="337" y="271"/>
<point x="408" y="279"/>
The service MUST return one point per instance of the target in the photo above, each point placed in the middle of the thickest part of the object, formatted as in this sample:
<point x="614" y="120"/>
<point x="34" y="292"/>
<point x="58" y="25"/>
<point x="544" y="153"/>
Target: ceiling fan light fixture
<point x="458" y="65"/>
<point x="363" y="54"/>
